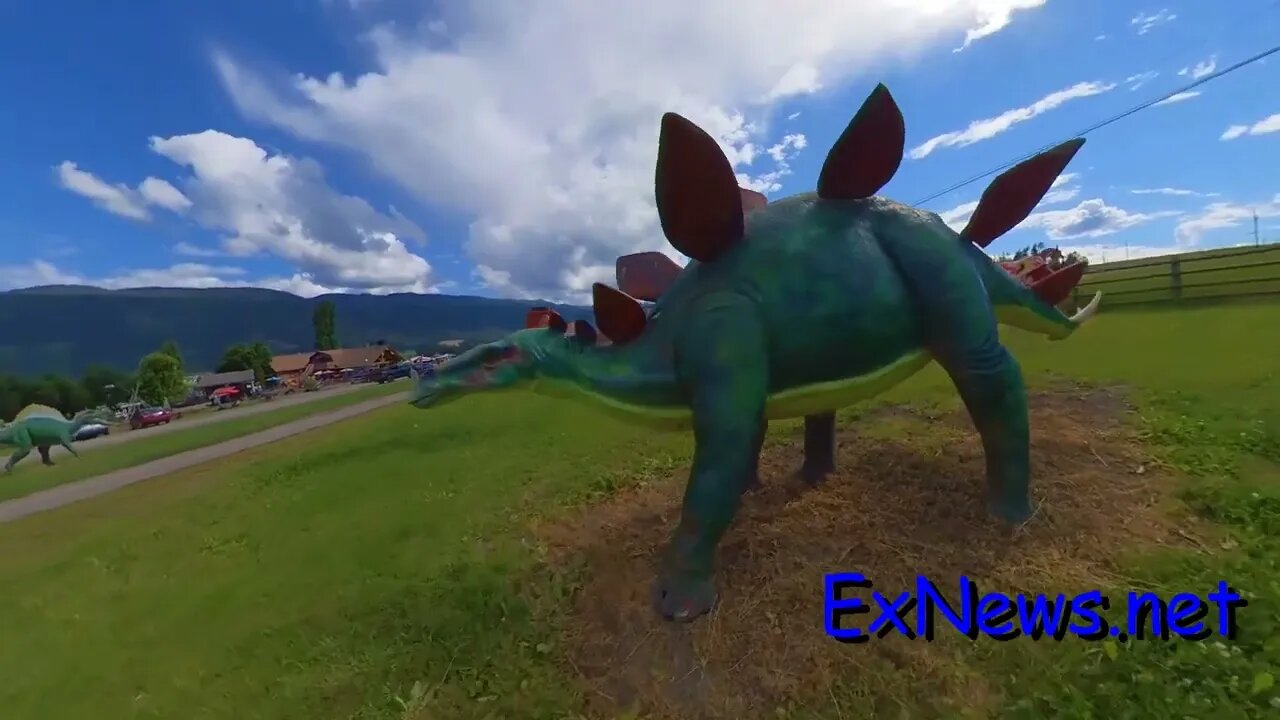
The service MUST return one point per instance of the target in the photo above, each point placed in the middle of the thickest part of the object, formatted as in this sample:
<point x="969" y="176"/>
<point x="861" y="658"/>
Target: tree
<point x="170" y="348"/>
<point x="255" y="357"/>
<point x="106" y="385"/>
<point x="59" y="392"/>
<point x="325" y="323"/>
<point x="160" y="378"/>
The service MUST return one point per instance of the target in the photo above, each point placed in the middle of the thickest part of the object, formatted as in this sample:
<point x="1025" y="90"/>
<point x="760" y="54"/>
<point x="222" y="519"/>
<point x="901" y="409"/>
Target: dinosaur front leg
<point x="67" y="444"/>
<point x="723" y="364"/>
<point x="819" y="447"/>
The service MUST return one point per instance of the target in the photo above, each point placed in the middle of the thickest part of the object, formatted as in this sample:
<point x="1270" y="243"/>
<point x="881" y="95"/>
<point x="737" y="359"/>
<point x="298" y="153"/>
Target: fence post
<point x="1175" y="278"/>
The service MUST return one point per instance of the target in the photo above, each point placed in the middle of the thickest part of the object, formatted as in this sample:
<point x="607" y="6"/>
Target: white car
<point x="90" y="431"/>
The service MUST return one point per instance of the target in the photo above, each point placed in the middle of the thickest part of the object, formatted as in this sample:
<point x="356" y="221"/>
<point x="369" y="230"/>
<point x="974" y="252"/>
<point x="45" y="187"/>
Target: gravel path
<point x="60" y="495"/>
<point x="205" y="417"/>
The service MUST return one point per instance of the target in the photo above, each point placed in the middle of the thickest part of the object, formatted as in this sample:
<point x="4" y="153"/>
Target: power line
<point x="1108" y="121"/>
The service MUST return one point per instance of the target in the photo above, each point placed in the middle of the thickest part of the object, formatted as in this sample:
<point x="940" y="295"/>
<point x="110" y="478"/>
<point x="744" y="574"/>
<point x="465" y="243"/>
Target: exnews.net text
<point x="856" y="612"/>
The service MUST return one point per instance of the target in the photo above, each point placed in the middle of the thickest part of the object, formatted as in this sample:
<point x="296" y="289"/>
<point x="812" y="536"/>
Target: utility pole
<point x="1256" y="242"/>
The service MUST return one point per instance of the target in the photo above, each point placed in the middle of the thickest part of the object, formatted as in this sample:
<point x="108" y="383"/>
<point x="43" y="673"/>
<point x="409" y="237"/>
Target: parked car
<point x="150" y="416"/>
<point x="91" y="431"/>
<point x="395" y="372"/>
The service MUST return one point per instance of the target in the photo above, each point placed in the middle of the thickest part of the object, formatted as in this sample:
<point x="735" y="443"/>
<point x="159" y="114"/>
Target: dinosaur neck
<point x="635" y="381"/>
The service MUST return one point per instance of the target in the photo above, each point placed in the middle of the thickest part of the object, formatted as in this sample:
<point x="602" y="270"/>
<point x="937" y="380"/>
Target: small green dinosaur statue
<point x="798" y="308"/>
<point x="40" y="426"/>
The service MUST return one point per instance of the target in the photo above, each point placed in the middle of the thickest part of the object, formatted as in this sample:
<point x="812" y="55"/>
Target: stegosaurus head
<point x="502" y="364"/>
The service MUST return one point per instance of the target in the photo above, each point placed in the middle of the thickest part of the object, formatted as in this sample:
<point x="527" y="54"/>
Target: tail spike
<point x="1011" y="197"/>
<point x="869" y="151"/>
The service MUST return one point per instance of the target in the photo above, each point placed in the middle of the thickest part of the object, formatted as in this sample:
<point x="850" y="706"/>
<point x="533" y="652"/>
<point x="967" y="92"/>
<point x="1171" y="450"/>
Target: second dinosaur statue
<point x="40" y="426"/>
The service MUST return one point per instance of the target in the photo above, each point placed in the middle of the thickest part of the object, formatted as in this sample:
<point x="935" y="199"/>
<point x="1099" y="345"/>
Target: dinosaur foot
<point x="813" y="475"/>
<point x="684" y="600"/>
<point x="1010" y="512"/>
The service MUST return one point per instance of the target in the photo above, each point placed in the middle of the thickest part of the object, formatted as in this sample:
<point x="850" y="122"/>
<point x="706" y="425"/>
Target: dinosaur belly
<point x="790" y="403"/>
<point x="834" y="394"/>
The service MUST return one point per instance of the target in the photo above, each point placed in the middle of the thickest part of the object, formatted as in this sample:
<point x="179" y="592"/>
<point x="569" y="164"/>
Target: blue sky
<point x="507" y="148"/>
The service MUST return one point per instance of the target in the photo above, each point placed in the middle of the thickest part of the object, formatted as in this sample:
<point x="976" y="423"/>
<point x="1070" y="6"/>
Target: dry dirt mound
<point x="907" y="500"/>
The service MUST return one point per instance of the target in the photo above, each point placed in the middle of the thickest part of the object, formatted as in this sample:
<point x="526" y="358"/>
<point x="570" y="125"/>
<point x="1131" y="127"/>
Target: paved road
<point x="92" y="487"/>
<point x="208" y="417"/>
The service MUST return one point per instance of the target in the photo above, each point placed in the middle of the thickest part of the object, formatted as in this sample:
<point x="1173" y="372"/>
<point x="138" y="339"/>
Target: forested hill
<point x="64" y="329"/>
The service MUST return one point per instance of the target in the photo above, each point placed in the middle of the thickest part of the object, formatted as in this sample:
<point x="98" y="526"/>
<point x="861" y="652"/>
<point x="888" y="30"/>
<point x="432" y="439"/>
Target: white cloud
<point x="1136" y="81"/>
<point x="182" y="275"/>
<point x="1100" y="37"/>
<point x="186" y="248"/>
<point x="1112" y="252"/>
<point x="1058" y="196"/>
<point x="1091" y="218"/>
<point x="958" y="216"/>
<point x="1200" y="69"/>
<point x="988" y="128"/>
<point x="793" y="116"/>
<point x="160" y="193"/>
<point x="781" y="153"/>
<point x="1262" y="127"/>
<point x="1217" y="216"/>
<point x="994" y="17"/>
<point x="1145" y="22"/>
<point x="118" y="199"/>
<point x="547" y="135"/>
<point x="281" y="206"/>
<point x="1179" y="97"/>
<point x="1058" y="192"/>
<point x="1171" y="191"/>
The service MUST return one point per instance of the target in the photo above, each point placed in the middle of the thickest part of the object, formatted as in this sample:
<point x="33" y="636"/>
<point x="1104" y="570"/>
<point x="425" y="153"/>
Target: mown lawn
<point x="378" y="569"/>
<point x="29" y="475"/>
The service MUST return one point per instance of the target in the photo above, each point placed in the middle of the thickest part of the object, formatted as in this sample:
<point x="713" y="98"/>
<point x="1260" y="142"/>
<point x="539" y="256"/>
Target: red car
<point x="148" y="417"/>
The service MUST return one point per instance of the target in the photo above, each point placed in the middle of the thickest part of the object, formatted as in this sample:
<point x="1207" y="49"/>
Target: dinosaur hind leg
<point x="819" y="447"/>
<point x="44" y="454"/>
<point x="990" y="384"/>
<point x="962" y="336"/>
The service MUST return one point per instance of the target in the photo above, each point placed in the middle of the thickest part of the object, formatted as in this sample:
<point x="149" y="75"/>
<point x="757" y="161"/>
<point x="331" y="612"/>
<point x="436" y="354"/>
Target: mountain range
<point x="64" y="329"/>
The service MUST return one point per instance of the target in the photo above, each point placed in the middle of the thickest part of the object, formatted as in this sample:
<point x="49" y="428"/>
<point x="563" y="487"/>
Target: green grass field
<point x="30" y="476"/>
<point x="1225" y="272"/>
<point x="385" y="568"/>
